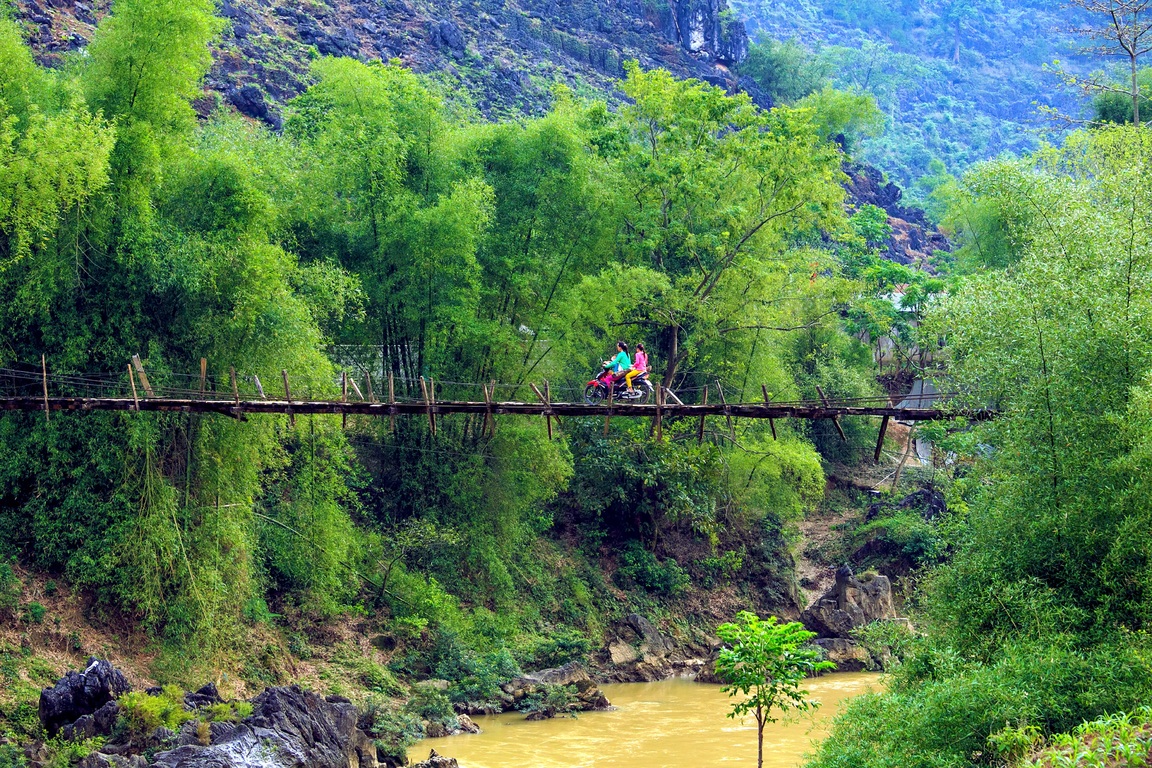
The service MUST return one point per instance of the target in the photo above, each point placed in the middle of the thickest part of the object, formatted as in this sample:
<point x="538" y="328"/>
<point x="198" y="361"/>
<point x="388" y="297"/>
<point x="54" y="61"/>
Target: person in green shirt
<point x="620" y="364"/>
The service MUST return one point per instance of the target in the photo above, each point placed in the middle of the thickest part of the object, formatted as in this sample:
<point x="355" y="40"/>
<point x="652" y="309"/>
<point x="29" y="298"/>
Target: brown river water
<point x="670" y="724"/>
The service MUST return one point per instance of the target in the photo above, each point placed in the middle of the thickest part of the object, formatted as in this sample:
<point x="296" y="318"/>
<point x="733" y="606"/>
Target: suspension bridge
<point x="34" y="388"/>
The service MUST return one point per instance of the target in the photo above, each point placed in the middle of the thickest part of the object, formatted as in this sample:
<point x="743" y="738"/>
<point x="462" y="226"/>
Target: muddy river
<point x="670" y="724"/>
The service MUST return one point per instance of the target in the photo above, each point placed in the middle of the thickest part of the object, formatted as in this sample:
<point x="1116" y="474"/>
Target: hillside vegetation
<point x="1039" y="618"/>
<point x="959" y="81"/>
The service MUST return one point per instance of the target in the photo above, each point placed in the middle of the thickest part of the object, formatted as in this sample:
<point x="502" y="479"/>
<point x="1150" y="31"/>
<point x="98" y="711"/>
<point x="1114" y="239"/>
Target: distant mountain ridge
<point x="507" y="53"/>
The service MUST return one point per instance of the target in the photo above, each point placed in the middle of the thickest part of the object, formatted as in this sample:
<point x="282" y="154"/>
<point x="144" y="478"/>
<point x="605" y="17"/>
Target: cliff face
<point x="507" y="53"/>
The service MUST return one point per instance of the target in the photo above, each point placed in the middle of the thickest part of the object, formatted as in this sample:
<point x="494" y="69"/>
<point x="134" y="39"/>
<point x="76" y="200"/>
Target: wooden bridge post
<point x="344" y="399"/>
<point x="288" y="398"/>
<point x="835" y="419"/>
<point x="235" y="389"/>
<point x="700" y="432"/>
<point x="767" y="402"/>
<point x="203" y="374"/>
<point x="608" y="418"/>
<point x="132" y="381"/>
<point x="659" y="413"/>
<point x="547" y="406"/>
<point x="880" y="440"/>
<point x="428" y="405"/>
<point x="368" y="381"/>
<point x="489" y="427"/>
<point x="44" y="379"/>
<point x="727" y="411"/>
<point x="391" y="404"/>
<point x="143" y="376"/>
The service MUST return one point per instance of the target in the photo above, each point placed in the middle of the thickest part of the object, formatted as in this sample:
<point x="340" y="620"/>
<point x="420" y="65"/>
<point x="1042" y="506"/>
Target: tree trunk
<point x="759" y="739"/>
<point x="1135" y="95"/>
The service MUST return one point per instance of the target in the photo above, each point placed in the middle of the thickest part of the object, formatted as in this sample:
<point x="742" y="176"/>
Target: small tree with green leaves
<point x="765" y="662"/>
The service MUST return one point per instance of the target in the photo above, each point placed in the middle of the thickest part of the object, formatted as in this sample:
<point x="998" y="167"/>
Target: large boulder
<point x="289" y="728"/>
<point x="78" y="694"/>
<point x="850" y="603"/>
<point x="437" y="761"/>
<point x="847" y="655"/>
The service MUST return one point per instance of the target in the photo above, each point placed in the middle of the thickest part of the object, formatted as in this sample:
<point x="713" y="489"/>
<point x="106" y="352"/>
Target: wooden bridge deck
<point x="241" y="408"/>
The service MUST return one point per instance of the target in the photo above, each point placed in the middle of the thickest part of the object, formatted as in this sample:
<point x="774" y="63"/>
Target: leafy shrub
<point x="378" y="678"/>
<point x="227" y="712"/>
<point x="427" y="703"/>
<point x="639" y="567"/>
<point x="478" y="677"/>
<point x="11" y="756"/>
<point x="10" y="589"/>
<point x="394" y="731"/>
<point x="719" y="569"/>
<point x="886" y="640"/>
<point x="63" y="754"/>
<point x="142" y="714"/>
<point x="34" y="613"/>
<point x="558" y="649"/>
<point x="550" y="701"/>
<point x="1114" y="740"/>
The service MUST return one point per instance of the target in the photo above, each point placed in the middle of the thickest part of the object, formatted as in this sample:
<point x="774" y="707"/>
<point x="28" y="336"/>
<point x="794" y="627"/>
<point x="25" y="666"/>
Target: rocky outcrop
<point x="262" y="58"/>
<point x="914" y="240"/>
<point x="86" y="696"/>
<point x="850" y="603"/>
<point x="289" y="728"/>
<point x="639" y="652"/>
<point x="702" y="28"/>
<point x="589" y="697"/>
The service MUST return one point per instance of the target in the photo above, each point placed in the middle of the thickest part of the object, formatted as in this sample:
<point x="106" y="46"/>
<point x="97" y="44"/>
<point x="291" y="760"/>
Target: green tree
<point x="765" y="662"/>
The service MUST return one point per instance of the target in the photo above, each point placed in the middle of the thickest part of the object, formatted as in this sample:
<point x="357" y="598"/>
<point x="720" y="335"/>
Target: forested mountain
<point x="958" y="80"/>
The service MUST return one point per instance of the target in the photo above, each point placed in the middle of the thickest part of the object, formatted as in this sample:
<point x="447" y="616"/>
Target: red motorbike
<point x="596" y="391"/>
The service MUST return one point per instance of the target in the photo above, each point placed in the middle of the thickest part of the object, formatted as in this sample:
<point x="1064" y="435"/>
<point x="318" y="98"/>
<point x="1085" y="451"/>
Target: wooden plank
<point x="768" y="402"/>
<point x="355" y="388"/>
<point x="835" y="419"/>
<point x="672" y="395"/>
<point x="259" y="387"/>
<point x="203" y="374"/>
<point x="143" y="376"/>
<point x="700" y="432"/>
<point x="880" y="439"/>
<point x="288" y="399"/>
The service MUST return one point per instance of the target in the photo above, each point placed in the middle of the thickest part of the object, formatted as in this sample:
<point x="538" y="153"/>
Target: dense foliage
<point x="1040" y="618"/>
<point x="386" y="232"/>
